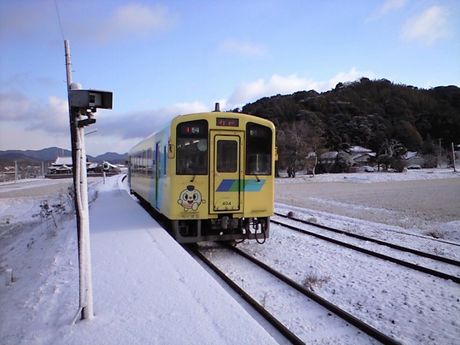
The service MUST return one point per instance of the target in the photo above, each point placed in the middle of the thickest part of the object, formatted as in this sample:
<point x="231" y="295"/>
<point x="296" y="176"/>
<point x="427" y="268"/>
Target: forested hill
<point x="366" y="113"/>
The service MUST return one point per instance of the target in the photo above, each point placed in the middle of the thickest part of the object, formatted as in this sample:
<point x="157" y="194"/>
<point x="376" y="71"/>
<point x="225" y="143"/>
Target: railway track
<point x="404" y="263"/>
<point x="291" y="336"/>
<point x="374" y="240"/>
<point x="389" y="230"/>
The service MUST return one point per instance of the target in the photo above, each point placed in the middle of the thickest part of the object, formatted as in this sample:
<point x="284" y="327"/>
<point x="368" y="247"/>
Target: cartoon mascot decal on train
<point x="190" y="199"/>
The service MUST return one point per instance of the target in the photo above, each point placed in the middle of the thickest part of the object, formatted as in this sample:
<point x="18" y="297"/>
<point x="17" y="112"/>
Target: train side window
<point x="227" y="156"/>
<point x="145" y="169"/>
<point x="258" y="149"/>
<point x="150" y="162"/>
<point x="192" y="148"/>
<point x="164" y="159"/>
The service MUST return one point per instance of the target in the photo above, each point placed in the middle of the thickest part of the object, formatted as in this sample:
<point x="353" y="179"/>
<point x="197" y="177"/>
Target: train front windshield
<point x="259" y="149"/>
<point x="192" y="148"/>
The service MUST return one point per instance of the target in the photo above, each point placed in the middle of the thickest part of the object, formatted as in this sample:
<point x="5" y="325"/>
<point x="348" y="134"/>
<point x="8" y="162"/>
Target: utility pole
<point x="82" y="103"/>
<point x="439" y="152"/>
<point x="84" y="255"/>
<point x="15" y="171"/>
<point x="453" y="157"/>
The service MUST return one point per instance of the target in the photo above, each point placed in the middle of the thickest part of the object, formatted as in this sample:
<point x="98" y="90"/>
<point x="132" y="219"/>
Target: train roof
<point x="220" y="114"/>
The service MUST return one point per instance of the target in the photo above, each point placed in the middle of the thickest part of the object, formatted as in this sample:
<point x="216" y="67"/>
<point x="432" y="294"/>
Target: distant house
<point x="361" y="156"/>
<point x="61" y="166"/>
<point x="349" y="160"/>
<point x="111" y="168"/>
<point x="413" y="158"/>
<point x="328" y="157"/>
<point x="359" y="149"/>
<point x="326" y="161"/>
<point x="108" y="168"/>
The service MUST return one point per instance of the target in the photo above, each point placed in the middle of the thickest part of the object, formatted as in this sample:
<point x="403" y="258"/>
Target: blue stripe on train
<point x="231" y="185"/>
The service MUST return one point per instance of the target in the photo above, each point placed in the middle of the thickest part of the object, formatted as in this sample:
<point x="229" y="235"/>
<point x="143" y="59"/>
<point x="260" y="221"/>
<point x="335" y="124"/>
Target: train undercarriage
<point x="223" y="228"/>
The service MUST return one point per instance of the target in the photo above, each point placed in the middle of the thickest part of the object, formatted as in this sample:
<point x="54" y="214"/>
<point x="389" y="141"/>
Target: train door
<point x="226" y="172"/>
<point x="157" y="172"/>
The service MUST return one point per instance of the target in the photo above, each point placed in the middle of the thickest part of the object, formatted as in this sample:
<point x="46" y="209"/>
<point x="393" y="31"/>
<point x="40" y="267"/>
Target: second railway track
<point x="370" y="239"/>
<point x="282" y="328"/>
<point x="411" y="265"/>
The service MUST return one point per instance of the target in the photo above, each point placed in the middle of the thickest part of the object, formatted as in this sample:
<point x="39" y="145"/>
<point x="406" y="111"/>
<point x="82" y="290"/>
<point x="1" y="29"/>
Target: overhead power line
<point x="59" y="19"/>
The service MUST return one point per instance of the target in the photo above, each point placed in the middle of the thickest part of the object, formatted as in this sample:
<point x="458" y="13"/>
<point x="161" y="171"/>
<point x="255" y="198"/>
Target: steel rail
<point x="384" y="243"/>
<point x="425" y="237"/>
<point x="372" y="253"/>
<point x="366" y="328"/>
<point x="258" y="307"/>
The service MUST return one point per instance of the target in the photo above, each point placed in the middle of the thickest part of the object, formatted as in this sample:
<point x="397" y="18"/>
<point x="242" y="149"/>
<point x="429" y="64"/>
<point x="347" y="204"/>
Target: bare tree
<point x="295" y="142"/>
<point x="391" y="152"/>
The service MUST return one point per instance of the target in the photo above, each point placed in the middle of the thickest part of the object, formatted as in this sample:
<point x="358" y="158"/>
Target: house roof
<point x="363" y="155"/>
<point x="63" y="161"/>
<point x="409" y="155"/>
<point x="110" y="165"/>
<point x="329" y="155"/>
<point x="359" y="149"/>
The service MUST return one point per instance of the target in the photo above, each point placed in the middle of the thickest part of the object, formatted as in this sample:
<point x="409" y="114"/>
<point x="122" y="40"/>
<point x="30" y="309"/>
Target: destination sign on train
<point x="227" y="122"/>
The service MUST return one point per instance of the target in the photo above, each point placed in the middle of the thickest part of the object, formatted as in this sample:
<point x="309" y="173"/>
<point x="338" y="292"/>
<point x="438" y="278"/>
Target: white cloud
<point x="120" y="132"/>
<point x="47" y="124"/>
<point x="278" y="84"/>
<point x="242" y="48"/>
<point x="133" y="20"/>
<point x="352" y="75"/>
<point x="97" y="144"/>
<point x="14" y="137"/>
<point x="140" y="124"/>
<point x="185" y="108"/>
<point x="391" y="5"/>
<point x="13" y="106"/>
<point x="387" y="7"/>
<point x="30" y="124"/>
<point x="428" y="27"/>
<point x="54" y="117"/>
<point x="51" y="116"/>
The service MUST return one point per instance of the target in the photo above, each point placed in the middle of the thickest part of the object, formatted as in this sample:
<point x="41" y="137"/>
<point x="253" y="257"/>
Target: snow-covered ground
<point x="424" y="202"/>
<point x="408" y="305"/>
<point x="148" y="290"/>
<point x="365" y="177"/>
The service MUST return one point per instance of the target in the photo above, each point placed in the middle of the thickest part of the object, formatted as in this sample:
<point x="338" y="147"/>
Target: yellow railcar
<point x="210" y="174"/>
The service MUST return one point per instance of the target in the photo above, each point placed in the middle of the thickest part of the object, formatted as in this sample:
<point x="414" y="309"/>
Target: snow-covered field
<point x="132" y="305"/>
<point x="425" y="202"/>
<point x="365" y="177"/>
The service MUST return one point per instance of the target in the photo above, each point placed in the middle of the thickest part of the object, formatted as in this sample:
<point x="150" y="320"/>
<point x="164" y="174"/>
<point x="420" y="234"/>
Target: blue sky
<point x="162" y="59"/>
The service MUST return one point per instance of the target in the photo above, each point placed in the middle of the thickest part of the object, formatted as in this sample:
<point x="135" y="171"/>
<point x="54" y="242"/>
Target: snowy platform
<point x="147" y="289"/>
